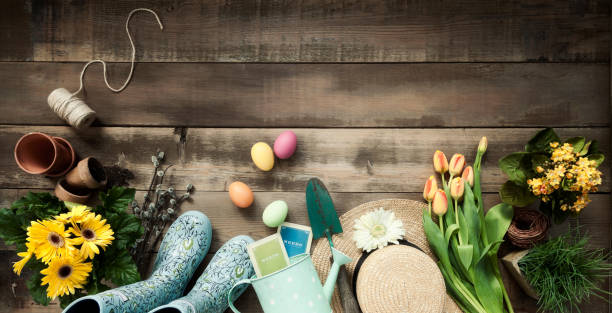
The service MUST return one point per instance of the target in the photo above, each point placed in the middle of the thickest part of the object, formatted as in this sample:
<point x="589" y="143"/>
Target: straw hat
<point x="392" y="278"/>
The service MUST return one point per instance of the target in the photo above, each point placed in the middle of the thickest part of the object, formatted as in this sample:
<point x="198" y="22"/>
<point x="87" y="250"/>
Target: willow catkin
<point x="73" y="109"/>
<point x="528" y="227"/>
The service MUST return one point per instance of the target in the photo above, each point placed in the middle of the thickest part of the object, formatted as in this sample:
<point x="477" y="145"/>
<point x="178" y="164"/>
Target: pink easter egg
<point x="284" y="145"/>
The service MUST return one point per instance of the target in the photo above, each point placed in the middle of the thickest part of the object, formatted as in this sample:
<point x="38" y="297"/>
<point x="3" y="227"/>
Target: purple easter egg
<point x="284" y="145"/>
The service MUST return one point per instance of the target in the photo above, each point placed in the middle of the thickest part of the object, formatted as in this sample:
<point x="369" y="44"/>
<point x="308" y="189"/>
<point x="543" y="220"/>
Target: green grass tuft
<point x="565" y="272"/>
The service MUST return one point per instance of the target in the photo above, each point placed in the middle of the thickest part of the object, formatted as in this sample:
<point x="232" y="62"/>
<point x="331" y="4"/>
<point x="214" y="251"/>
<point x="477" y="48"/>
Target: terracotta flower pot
<point x="511" y="262"/>
<point x="89" y="173"/>
<point x="38" y="153"/>
<point x="65" y="192"/>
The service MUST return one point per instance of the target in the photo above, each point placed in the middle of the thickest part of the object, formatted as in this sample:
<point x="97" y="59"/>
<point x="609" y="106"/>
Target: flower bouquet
<point x="466" y="240"/>
<point x="561" y="174"/>
<point x="73" y="250"/>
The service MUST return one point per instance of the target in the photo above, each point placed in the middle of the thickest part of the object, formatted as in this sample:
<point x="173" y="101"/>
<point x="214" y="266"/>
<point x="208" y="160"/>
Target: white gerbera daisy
<point x="377" y="229"/>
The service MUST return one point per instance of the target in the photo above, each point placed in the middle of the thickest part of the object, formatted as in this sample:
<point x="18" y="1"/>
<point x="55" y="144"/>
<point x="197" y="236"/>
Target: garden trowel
<point x="324" y="222"/>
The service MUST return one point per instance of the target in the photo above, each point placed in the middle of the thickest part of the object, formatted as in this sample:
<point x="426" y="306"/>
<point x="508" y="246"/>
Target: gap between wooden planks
<point x="348" y="160"/>
<point x="319" y="95"/>
<point x="309" y="31"/>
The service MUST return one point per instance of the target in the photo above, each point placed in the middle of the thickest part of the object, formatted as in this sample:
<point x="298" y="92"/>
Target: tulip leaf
<point x="540" y="141"/>
<point x="488" y="248"/>
<point x="516" y="195"/>
<point x="577" y="143"/>
<point x="450" y="231"/>
<point x="436" y="239"/>
<point x="470" y="211"/>
<point x="488" y="289"/>
<point x="497" y="221"/>
<point x="466" y="253"/>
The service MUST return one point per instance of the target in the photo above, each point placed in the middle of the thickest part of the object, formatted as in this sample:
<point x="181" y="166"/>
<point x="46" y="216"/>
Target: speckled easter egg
<point x="275" y="213"/>
<point x="284" y="145"/>
<point x="262" y="156"/>
<point x="240" y="194"/>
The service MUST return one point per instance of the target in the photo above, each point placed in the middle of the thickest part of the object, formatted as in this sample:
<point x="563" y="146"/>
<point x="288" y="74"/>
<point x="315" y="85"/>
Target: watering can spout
<point x="339" y="260"/>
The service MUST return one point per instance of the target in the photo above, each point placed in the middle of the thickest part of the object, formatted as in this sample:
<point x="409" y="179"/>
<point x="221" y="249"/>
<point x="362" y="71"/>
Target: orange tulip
<point x="468" y="175"/>
<point x="456" y="164"/>
<point x="456" y="188"/>
<point x="440" y="203"/>
<point x="440" y="162"/>
<point x="430" y="188"/>
<point x="482" y="145"/>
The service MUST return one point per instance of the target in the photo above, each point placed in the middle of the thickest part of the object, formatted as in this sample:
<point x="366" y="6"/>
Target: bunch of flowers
<point x="466" y="240"/>
<point x="560" y="174"/>
<point x="64" y="243"/>
<point x="71" y="250"/>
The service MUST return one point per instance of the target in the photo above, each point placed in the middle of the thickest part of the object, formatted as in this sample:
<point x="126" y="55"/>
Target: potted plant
<point x="561" y="273"/>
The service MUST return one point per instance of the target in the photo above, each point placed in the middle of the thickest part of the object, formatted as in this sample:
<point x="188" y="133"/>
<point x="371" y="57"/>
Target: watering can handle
<point x="230" y="294"/>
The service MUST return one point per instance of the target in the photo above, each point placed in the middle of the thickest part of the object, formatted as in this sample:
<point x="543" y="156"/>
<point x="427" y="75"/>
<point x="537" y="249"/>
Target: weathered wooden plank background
<point x="371" y="87"/>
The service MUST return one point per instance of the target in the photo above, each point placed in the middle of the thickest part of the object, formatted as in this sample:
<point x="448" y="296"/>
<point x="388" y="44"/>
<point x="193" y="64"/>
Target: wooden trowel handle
<point x="349" y="303"/>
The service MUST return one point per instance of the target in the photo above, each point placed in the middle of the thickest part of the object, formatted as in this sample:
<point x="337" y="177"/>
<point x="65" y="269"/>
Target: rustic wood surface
<point x="371" y="88"/>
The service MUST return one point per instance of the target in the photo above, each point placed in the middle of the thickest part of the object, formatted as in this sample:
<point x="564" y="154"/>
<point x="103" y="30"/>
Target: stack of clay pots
<point x="41" y="154"/>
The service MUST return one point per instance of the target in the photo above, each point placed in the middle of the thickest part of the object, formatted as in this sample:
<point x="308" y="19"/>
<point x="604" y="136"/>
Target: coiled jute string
<point x="72" y="108"/>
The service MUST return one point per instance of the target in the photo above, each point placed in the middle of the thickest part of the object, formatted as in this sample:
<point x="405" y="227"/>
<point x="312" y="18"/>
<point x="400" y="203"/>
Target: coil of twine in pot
<point x="73" y="109"/>
<point x="528" y="227"/>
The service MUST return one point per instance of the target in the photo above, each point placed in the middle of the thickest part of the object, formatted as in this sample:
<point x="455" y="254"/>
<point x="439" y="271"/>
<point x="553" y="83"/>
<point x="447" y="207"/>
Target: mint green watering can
<point x="296" y="288"/>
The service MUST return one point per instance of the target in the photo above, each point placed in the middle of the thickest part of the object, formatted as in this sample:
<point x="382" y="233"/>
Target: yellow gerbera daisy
<point x="64" y="274"/>
<point x="91" y="233"/>
<point x="26" y="256"/>
<point x="50" y="239"/>
<point x="75" y="215"/>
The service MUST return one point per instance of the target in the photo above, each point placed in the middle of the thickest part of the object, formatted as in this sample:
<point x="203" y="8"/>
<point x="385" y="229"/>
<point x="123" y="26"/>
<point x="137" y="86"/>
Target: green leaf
<point x="117" y="199"/>
<point x="119" y="267"/>
<point x="38" y="292"/>
<point x="38" y="206"/>
<point x="11" y="230"/>
<point x="436" y="239"/>
<point x="516" y="195"/>
<point x="577" y="143"/>
<point x="597" y="157"/>
<point x="594" y="147"/>
<point x="538" y="159"/>
<point x="488" y="288"/>
<point x="450" y="230"/>
<point x="517" y="166"/>
<point x="466" y="253"/>
<point x="585" y="149"/>
<point x="540" y="142"/>
<point x="497" y="221"/>
<point x="127" y="228"/>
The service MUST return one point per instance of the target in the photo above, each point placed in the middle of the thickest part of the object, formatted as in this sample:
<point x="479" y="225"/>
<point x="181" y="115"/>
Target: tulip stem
<point x="429" y="202"/>
<point x="457" y="221"/>
<point x="441" y="223"/>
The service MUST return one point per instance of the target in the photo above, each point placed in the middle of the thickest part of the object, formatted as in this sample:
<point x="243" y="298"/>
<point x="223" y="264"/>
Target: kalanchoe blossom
<point x="457" y="188"/>
<point x="468" y="175"/>
<point x="440" y="162"/>
<point x="430" y="188"/>
<point x="456" y="164"/>
<point x="440" y="203"/>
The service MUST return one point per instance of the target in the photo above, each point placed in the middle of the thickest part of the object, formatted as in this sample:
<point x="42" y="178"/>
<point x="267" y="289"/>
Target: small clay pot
<point x="38" y="153"/>
<point x="89" y="173"/>
<point x="65" y="192"/>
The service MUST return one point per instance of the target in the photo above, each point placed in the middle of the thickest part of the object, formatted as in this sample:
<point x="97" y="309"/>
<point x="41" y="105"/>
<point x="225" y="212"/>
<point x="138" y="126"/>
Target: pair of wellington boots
<point x="181" y="252"/>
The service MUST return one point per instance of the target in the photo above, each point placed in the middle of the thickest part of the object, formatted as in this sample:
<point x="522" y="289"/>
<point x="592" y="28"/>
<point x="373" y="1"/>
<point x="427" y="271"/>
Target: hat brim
<point x="410" y="212"/>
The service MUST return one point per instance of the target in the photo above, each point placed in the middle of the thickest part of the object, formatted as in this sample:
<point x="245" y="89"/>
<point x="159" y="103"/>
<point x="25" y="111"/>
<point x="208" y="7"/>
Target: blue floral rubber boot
<point x="183" y="248"/>
<point x="209" y="295"/>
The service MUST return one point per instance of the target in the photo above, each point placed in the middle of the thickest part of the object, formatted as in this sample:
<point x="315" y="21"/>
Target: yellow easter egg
<point x="262" y="156"/>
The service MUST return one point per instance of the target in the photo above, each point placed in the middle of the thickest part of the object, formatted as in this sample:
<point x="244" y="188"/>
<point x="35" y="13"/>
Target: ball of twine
<point x="528" y="227"/>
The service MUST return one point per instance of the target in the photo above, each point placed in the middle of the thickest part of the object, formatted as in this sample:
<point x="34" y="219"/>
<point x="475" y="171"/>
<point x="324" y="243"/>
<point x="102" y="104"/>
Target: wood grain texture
<point x="311" y="31"/>
<point x="348" y="160"/>
<point x="229" y="221"/>
<point x="319" y="95"/>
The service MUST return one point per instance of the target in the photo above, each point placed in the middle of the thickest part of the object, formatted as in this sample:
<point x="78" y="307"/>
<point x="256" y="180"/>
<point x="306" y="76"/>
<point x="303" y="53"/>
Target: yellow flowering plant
<point x="72" y="250"/>
<point x="560" y="174"/>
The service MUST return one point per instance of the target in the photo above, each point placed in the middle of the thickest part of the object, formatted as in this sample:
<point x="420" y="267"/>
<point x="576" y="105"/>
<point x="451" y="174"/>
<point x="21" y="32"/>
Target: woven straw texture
<point x="400" y="268"/>
<point x="410" y="212"/>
